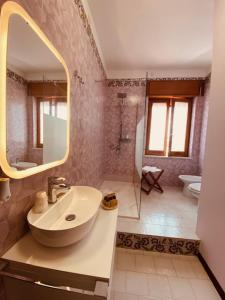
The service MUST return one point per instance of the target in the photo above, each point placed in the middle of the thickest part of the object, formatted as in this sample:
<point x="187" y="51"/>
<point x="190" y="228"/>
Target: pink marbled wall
<point x="120" y="165"/>
<point x="17" y="121"/>
<point x="61" y="22"/>
<point x="21" y="123"/>
<point x="204" y="126"/>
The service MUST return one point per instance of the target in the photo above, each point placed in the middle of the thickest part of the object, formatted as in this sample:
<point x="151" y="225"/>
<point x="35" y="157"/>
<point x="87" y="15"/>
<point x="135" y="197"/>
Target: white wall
<point x="211" y="219"/>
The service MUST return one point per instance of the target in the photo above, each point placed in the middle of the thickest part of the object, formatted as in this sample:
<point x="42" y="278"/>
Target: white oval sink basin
<point x="23" y="165"/>
<point x="68" y="220"/>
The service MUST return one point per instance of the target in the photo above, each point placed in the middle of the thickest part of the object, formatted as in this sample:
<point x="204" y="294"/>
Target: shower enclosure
<point x="124" y="134"/>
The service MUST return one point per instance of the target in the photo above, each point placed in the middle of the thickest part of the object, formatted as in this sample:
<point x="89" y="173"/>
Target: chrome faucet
<point x="56" y="185"/>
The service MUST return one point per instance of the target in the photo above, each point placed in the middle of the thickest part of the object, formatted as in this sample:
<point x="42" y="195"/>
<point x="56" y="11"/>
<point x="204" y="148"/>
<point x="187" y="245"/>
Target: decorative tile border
<point x="176" y="78"/>
<point x="87" y="27"/>
<point x="19" y="79"/>
<point x="157" y="243"/>
<point x="142" y="81"/>
<point x="47" y="81"/>
<point x="126" y="82"/>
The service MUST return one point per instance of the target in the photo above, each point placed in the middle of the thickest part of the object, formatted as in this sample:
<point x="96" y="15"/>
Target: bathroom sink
<point x="23" y="165"/>
<point x="67" y="221"/>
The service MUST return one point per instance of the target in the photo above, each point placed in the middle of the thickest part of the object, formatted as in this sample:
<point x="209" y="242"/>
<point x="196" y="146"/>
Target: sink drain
<point x="70" y="217"/>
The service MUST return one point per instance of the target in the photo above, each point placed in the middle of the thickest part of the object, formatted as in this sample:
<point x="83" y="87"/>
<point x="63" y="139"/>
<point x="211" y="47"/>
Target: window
<point x="56" y="107"/>
<point x="168" y="126"/>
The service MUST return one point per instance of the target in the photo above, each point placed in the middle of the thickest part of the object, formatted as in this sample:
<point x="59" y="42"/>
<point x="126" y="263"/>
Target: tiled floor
<point x="153" y="276"/>
<point x="125" y="194"/>
<point x="169" y="214"/>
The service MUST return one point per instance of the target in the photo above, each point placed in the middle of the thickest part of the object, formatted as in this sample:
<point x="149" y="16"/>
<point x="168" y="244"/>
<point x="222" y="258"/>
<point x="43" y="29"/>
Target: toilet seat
<point x="190" y="178"/>
<point x="195" y="187"/>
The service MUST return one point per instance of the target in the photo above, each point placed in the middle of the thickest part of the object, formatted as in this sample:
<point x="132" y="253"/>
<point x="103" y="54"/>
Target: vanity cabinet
<point x="18" y="291"/>
<point x="81" y="271"/>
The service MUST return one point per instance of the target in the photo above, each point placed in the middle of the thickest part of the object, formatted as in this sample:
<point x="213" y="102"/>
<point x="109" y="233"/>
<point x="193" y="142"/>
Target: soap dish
<point x="109" y="202"/>
<point x="104" y="206"/>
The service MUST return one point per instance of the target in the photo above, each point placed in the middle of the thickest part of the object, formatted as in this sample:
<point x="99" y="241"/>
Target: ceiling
<point x="135" y="36"/>
<point x="28" y="55"/>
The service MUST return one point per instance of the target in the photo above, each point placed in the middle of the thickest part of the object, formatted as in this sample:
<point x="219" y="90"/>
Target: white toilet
<point x="187" y="180"/>
<point x="195" y="189"/>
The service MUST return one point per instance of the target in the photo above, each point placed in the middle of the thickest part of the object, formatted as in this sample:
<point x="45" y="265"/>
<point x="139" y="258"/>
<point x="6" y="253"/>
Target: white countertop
<point x="92" y="256"/>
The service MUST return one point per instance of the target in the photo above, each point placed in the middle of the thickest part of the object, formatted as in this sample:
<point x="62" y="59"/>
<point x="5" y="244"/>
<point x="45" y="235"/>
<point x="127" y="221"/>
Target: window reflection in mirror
<point x="36" y="93"/>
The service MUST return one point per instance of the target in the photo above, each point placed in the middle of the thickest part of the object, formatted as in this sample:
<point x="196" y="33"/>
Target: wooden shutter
<point x="179" y="88"/>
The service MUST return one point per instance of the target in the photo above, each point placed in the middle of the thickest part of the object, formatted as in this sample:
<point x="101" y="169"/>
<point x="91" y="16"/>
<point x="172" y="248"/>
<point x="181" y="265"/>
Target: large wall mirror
<point x="34" y="97"/>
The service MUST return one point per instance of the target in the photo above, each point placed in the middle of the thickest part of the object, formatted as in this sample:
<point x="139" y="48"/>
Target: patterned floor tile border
<point x="157" y="243"/>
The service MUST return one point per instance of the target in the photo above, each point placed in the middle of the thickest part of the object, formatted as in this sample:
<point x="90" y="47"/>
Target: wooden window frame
<point x="150" y="104"/>
<point x="38" y="116"/>
<point x="184" y="153"/>
<point x="38" y="135"/>
<point x="170" y="101"/>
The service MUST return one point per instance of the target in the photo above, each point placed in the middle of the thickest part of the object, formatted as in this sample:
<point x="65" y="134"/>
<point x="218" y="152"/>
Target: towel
<point x="151" y="169"/>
